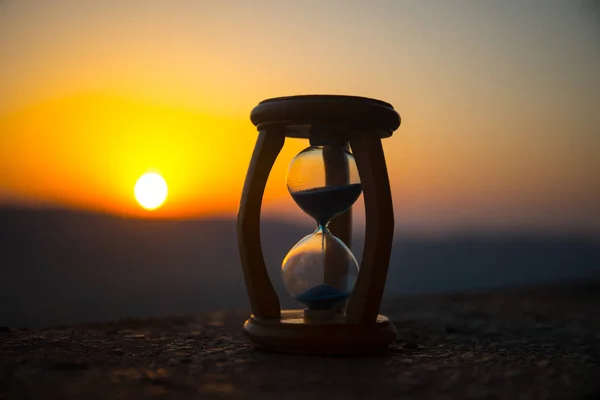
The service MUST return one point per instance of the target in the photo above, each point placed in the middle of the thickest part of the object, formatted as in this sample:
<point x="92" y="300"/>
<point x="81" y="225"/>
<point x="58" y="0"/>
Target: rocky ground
<point x="541" y="343"/>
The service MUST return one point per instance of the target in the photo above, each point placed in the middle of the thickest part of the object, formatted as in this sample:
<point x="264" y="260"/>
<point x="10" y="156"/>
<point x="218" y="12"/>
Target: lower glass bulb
<point x="320" y="271"/>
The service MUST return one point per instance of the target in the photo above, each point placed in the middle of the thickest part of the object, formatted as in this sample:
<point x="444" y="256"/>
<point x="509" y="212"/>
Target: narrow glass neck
<point x="324" y="228"/>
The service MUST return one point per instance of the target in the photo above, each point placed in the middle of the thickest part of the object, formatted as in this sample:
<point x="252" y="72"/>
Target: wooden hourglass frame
<point x="360" y="123"/>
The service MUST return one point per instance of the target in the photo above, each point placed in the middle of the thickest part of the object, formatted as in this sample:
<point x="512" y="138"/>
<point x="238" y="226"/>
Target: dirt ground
<point x="541" y="343"/>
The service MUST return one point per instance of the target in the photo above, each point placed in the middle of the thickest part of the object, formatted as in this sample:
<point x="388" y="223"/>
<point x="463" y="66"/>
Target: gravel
<point x="533" y="343"/>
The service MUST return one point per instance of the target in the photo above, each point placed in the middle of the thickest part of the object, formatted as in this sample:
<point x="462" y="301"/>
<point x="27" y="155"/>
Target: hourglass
<point x="339" y="300"/>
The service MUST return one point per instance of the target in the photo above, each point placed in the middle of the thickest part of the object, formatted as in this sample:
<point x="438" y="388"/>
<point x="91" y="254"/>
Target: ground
<point x="541" y="343"/>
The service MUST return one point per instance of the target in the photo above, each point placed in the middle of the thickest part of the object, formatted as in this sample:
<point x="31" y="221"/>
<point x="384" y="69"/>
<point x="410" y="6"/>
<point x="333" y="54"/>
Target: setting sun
<point x="150" y="190"/>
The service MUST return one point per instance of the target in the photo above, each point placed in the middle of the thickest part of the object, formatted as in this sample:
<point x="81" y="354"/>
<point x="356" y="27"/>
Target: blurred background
<point x="495" y="170"/>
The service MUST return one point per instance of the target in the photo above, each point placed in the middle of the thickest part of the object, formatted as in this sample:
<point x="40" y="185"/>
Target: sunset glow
<point x="498" y="113"/>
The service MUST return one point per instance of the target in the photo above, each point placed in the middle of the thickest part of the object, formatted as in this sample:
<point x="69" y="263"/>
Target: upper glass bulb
<point x="324" y="181"/>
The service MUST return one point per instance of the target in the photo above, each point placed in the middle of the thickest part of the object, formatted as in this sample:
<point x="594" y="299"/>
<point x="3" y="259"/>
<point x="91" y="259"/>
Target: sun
<point x="150" y="190"/>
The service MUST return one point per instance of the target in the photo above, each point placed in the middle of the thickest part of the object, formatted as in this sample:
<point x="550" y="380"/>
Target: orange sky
<point x="499" y="102"/>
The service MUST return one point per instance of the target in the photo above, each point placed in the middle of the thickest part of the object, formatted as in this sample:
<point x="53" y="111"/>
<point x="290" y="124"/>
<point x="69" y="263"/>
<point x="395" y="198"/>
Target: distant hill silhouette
<point x="61" y="266"/>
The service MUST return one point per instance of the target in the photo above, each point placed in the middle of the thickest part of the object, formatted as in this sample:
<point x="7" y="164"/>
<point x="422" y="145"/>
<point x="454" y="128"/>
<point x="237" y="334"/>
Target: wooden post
<point x="337" y="174"/>
<point x="263" y="298"/>
<point x="365" y="301"/>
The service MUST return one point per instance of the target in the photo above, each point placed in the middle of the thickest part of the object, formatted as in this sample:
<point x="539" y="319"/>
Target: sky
<point x="499" y="103"/>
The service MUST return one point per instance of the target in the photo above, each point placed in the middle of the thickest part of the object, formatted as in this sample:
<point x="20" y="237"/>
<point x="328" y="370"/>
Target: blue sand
<point x="325" y="203"/>
<point x="321" y="297"/>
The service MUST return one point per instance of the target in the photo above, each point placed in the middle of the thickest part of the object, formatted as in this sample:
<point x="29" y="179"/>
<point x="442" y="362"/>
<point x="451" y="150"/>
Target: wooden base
<point x="293" y="334"/>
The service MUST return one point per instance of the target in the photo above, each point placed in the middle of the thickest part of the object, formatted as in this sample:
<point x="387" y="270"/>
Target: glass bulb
<point x="320" y="271"/>
<point x="324" y="181"/>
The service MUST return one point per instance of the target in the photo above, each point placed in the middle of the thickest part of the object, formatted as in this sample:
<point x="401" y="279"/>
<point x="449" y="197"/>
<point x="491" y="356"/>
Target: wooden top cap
<point x="299" y="113"/>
